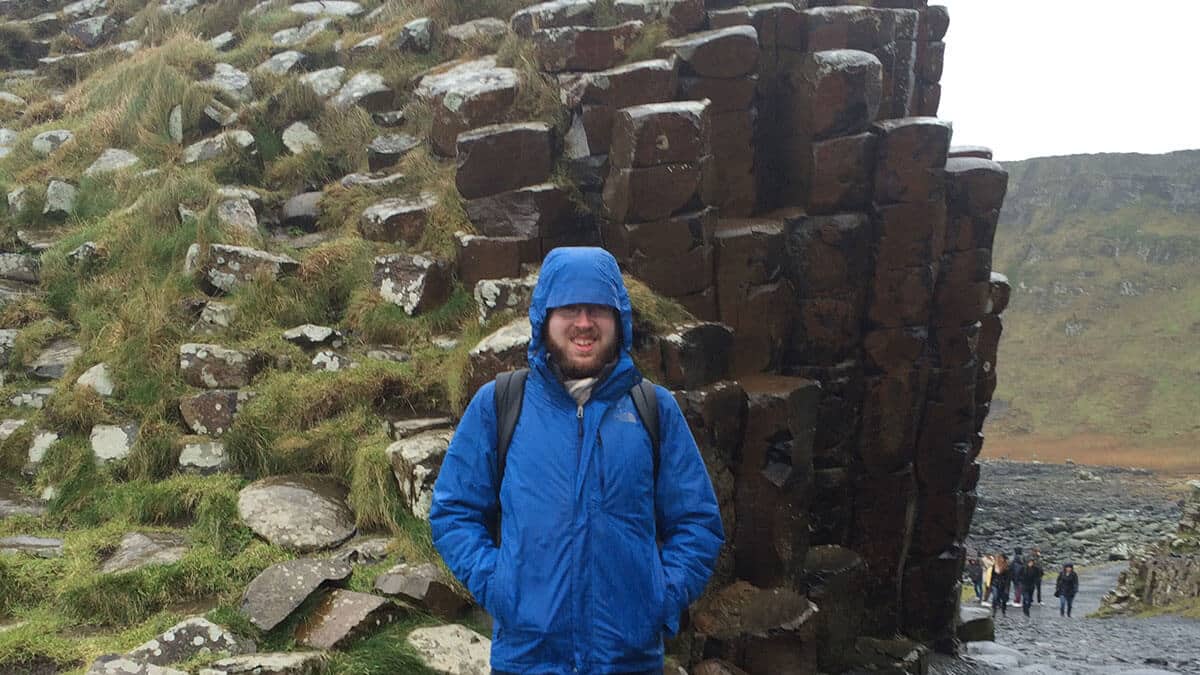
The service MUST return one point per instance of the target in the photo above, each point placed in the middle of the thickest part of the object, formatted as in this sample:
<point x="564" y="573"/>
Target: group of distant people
<point x="994" y="576"/>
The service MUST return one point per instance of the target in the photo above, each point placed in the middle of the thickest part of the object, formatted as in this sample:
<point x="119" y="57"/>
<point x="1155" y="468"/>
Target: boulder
<point x="476" y="32"/>
<point x="426" y="586"/>
<point x="238" y="218"/>
<point x="465" y="95"/>
<point x="215" y="116"/>
<point x="210" y="413"/>
<point x="325" y="82"/>
<point x="331" y="361"/>
<point x="290" y="37"/>
<point x="188" y="639"/>
<point x="414" y="282"/>
<point x="202" y="455"/>
<point x="302" y="513"/>
<point x="659" y="133"/>
<point x="377" y="179"/>
<point x="398" y="219"/>
<point x="302" y="211"/>
<point x="20" y="267"/>
<point x="38" y="547"/>
<point x="494" y="296"/>
<point x="223" y="42"/>
<point x="49" y="141"/>
<point x="60" y="199"/>
<point x="138" y="550"/>
<point x="416" y="461"/>
<point x="416" y="36"/>
<point x="116" y="664"/>
<point x="212" y="148"/>
<point x="227" y="267"/>
<point x="451" y="649"/>
<point x="501" y="157"/>
<point x="277" y="663"/>
<point x="481" y="258"/>
<point x="504" y="349"/>
<point x="583" y="48"/>
<point x="92" y="31"/>
<point x="55" y="359"/>
<point x="526" y="212"/>
<point x="975" y="625"/>
<point x="214" y="367"/>
<point x="768" y="631"/>
<point x="233" y="82"/>
<point x="332" y="8"/>
<point x="42" y="440"/>
<point x="281" y="588"/>
<point x="310" y="335"/>
<point x="113" y="442"/>
<point x="298" y="138"/>
<point x="723" y="53"/>
<point x="386" y="150"/>
<point x="343" y="616"/>
<point x="112" y="159"/>
<point x="12" y="502"/>
<point x="650" y="81"/>
<point x="281" y="63"/>
<point x="553" y="14"/>
<point x="681" y="16"/>
<point x="366" y="90"/>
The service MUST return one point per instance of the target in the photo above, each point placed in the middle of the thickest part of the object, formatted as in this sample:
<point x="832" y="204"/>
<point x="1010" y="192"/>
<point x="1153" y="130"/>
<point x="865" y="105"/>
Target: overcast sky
<point x="1031" y="78"/>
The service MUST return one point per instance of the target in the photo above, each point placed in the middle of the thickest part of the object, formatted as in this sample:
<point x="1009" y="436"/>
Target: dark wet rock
<point x="279" y="663"/>
<point x="343" y="616"/>
<point x="299" y="512"/>
<point x="40" y="547"/>
<point x="281" y="588"/>
<point x="975" y="624"/>
<point x="415" y="282"/>
<point x="210" y="413"/>
<point x="583" y="48"/>
<point x="528" y="212"/>
<point x="767" y="630"/>
<point x="215" y="367"/>
<point x="724" y="53"/>
<point x="502" y="157"/>
<point x="416" y="461"/>
<point x="188" y="639"/>
<point x="424" y="585"/>
<point x="138" y="550"/>
<point x="504" y="349"/>
<point x="386" y="150"/>
<point x="398" y="219"/>
<point x="836" y="93"/>
<point x="659" y="133"/>
<point x="481" y="258"/>
<point x="451" y="649"/>
<point x="696" y="354"/>
<point x="55" y="359"/>
<point x="466" y="95"/>
<point x="553" y="14"/>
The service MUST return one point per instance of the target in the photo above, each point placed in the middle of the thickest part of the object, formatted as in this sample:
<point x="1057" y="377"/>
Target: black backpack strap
<point x="645" y="399"/>
<point x="510" y="394"/>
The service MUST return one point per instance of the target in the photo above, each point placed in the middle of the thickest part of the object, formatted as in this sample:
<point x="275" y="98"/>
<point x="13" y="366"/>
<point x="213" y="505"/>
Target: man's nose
<point x="584" y="317"/>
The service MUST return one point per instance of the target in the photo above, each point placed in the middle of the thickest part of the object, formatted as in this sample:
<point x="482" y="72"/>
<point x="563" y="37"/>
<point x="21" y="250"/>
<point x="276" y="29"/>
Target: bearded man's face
<point x="582" y="338"/>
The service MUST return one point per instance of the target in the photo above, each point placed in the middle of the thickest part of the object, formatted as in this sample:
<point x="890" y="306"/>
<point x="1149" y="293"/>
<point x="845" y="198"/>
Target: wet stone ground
<point x="1044" y="643"/>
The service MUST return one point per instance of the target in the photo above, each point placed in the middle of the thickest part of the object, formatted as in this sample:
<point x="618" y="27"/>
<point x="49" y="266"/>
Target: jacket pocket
<point x="498" y="587"/>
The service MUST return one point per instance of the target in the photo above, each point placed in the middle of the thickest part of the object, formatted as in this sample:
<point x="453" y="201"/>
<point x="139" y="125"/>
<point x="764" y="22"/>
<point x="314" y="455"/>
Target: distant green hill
<point x="1103" y="332"/>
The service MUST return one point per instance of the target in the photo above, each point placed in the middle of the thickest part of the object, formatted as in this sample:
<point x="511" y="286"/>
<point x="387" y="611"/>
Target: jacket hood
<point x="574" y="275"/>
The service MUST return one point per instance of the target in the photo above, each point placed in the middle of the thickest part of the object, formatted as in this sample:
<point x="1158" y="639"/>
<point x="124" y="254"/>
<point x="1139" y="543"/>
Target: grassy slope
<point x="1134" y="371"/>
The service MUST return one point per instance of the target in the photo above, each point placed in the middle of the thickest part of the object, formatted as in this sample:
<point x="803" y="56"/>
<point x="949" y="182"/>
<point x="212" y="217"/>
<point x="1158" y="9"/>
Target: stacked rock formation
<point x="1167" y="574"/>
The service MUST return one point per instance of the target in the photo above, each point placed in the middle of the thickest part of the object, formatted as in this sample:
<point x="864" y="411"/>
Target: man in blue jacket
<point x="580" y="582"/>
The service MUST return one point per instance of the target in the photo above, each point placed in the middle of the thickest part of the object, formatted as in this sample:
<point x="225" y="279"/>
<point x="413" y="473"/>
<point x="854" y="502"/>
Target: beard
<point x="573" y="369"/>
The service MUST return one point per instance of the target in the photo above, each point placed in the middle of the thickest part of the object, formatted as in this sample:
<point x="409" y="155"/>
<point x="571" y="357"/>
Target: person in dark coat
<point x="1035" y="572"/>
<point x="975" y="572"/>
<point x="1018" y="572"/>
<point x="999" y="586"/>
<point x="1028" y="579"/>
<point x="1065" y="589"/>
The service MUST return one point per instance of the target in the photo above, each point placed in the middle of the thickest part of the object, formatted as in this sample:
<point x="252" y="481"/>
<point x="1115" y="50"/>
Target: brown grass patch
<point x="1181" y="458"/>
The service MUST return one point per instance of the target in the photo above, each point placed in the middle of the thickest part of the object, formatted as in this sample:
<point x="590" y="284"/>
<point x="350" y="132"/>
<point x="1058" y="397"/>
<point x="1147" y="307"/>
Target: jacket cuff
<point x="671" y="612"/>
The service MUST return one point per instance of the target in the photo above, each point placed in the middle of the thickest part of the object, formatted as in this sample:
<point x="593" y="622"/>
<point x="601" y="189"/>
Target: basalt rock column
<point x="965" y="327"/>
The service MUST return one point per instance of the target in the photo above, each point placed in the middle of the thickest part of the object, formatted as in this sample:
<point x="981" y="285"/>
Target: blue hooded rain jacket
<point x="579" y="583"/>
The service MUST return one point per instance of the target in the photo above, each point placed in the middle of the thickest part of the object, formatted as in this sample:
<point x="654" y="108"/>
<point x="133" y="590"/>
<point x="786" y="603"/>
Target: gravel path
<point x="1018" y="503"/>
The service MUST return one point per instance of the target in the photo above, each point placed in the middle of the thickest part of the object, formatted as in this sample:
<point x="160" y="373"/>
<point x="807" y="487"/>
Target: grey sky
<point x="1031" y="78"/>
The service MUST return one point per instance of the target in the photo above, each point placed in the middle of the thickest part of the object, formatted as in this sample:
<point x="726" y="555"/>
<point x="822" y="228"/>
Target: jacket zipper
<point x="578" y="455"/>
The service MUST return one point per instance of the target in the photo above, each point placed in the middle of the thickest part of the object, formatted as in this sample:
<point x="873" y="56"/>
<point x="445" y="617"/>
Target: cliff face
<point x="1169" y="575"/>
<point x="1101" y="251"/>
